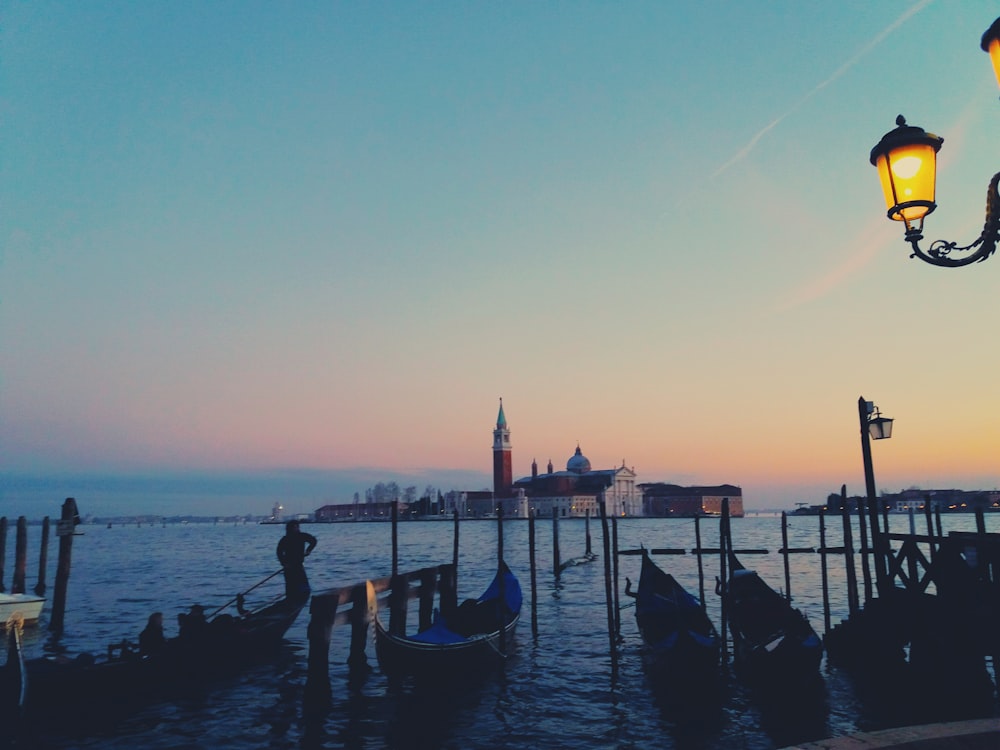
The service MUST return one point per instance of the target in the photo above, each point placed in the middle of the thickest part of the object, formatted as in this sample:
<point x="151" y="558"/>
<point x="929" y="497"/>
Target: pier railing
<point x="357" y="606"/>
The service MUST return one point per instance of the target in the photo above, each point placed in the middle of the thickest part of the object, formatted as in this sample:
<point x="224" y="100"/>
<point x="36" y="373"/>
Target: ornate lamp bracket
<point x="939" y="253"/>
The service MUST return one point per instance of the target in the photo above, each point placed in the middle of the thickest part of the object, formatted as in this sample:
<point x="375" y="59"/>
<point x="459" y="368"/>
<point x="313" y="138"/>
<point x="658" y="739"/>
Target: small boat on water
<point x="465" y="641"/>
<point x="221" y="645"/>
<point x="772" y="639"/>
<point x="28" y="606"/>
<point x="682" y="641"/>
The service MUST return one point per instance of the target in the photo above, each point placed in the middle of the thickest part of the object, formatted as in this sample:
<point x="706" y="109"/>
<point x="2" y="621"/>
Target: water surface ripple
<point x="559" y="690"/>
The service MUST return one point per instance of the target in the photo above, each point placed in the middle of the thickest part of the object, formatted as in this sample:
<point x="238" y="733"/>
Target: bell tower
<point x="503" y="472"/>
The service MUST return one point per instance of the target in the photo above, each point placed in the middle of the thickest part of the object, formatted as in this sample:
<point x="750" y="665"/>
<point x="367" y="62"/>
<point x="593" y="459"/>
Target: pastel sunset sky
<point x="282" y="251"/>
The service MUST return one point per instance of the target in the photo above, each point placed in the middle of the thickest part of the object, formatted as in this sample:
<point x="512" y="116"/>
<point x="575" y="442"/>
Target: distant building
<point x="947" y="501"/>
<point x="661" y="500"/>
<point x="916" y="500"/>
<point x="484" y="504"/>
<point x="358" y="512"/>
<point x="578" y="490"/>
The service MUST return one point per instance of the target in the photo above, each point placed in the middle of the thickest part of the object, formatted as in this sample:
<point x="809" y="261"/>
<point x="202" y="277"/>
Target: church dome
<point x="579" y="463"/>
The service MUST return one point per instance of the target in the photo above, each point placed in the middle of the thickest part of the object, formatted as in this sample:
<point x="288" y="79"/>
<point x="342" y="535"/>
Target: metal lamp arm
<point x="940" y="250"/>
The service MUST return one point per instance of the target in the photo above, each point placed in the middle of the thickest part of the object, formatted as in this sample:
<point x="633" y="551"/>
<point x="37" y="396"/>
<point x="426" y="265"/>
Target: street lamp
<point x="874" y="427"/>
<point x="879" y="427"/>
<point x="991" y="44"/>
<point x="906" y="159"/>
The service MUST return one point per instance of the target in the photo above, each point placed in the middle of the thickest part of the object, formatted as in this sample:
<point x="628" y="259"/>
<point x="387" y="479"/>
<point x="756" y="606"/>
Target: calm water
<point x="559" y="690"/>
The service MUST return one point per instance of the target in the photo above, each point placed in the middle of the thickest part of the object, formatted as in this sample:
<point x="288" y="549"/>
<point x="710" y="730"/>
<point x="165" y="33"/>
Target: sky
<point x="258" y="252"/>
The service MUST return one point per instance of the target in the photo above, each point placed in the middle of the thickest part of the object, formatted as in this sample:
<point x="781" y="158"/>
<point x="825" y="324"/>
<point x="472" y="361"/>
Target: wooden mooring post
<point x="501" y="588"/>
<point x="607" y="580"/>
<point x="67" y="523"/>
<point x="614" y="567"/>
<point x="43" y="554"/>
<point x="395" y="536"/>
<point x="318" y="694"/>
<point x="784" y="548"/>
<point x="534" y="580"/>
<point x="556" y="562"/>
<point x="929" y="519"/>
<point x="701" y="567"/>
<point x="865" y="550"/>
<point x="20" y="556"/>
<point x="724" y="540"/>
<point x="454" y="552"/>
<point x="852" y="576"/>
<point x="3" y="550"/>
<point x="824" y="581"/>
<point x="785" y="551"/>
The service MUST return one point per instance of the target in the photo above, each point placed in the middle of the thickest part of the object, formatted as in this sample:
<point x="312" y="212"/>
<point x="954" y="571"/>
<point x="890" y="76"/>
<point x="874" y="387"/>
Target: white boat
<point x="28" y="605"/>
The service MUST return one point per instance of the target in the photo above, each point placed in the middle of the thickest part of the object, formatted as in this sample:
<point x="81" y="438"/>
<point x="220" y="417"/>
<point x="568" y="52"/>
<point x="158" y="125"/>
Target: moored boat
<point x="28" y="606"/>
<point x="223" y="645"/>
<point x="679" y="635"/>
<point x="470" y="639"/>
<point x="772" y="639"/>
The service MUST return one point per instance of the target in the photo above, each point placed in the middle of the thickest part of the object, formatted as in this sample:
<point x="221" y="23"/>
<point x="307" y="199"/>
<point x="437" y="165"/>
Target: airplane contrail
<point x="910" y="12"/>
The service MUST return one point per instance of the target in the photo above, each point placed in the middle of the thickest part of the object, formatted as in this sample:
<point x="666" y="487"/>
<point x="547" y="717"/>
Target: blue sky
<point x="249" y="238"/>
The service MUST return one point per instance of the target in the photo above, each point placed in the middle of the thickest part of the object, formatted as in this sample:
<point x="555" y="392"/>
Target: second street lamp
<point x="874" y="427"/>
<point x="906" y="159"/>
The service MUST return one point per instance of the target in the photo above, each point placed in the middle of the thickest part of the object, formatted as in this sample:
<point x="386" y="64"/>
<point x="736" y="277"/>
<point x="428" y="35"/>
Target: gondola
<point x="469" y="640"/>
<point x="772" y="639"/>
<point x="681" y="640"/>
<point x="225" y="645"/>
<point x="29" y="607"/>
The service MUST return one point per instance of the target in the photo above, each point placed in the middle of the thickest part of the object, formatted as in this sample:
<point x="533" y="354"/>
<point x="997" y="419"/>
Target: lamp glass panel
<point x="908" y="174"/>
<point x="880" y="428"/>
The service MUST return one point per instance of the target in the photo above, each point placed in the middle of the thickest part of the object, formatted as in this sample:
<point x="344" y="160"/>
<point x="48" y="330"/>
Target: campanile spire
<point x="503" y="472"/>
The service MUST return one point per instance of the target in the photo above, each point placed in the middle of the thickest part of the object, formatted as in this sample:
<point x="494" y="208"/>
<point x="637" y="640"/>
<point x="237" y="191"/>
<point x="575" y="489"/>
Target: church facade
<point x="577" y="490"/>
<point x="574" y="492"/>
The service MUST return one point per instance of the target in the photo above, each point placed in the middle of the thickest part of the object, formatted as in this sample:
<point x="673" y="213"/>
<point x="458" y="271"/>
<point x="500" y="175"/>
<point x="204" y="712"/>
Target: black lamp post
<point x="906" y="159"/>
<point x="874" y="427"/>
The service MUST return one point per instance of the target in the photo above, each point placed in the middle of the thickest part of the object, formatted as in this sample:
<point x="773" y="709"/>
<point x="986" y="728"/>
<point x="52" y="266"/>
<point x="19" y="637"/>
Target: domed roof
<point x="579" y="463"/>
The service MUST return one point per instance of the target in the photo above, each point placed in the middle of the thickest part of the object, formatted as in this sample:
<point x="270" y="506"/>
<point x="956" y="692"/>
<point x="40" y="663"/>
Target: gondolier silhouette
<point x="293" y="548"/>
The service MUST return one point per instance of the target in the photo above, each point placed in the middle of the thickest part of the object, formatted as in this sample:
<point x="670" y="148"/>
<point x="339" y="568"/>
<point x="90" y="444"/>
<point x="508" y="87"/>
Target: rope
<point x="500" y="653"/>
<point x="238" y="596"/>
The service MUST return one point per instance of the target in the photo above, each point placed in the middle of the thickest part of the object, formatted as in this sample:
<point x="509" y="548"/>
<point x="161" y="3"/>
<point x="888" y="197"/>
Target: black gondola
<point x="681" y="639"/>
<point x="182" y="665"/>
<point x="467" y="640"/>
<point x="772" y="639"/>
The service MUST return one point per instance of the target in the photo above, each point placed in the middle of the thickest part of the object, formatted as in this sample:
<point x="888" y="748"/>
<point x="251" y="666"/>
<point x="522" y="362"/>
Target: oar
<point x="235" y="598"/>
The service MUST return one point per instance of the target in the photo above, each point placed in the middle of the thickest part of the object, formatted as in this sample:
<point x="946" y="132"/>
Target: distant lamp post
<point x="906" y="159"/>
<point x="874" y="427"/>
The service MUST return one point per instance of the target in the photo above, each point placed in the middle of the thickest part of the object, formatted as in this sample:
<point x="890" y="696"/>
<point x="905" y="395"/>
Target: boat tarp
<point x="482" y="612"/>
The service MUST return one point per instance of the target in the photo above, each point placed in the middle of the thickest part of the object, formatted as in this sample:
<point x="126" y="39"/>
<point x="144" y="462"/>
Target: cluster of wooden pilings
<point x="64" y="531"/>
<point x="358" y="604"/>
<point x="945" y="635"/>
<point x="889" y="581"/>
<point x="894" y="607"/>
